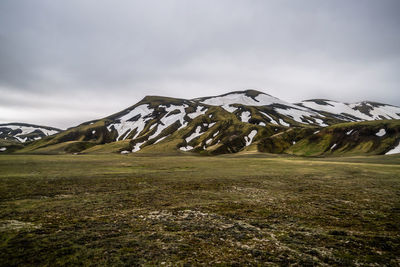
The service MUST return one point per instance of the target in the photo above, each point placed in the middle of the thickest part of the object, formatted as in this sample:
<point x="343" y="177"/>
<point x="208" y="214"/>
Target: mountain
<point x="23" y="132"/>
<point x="238" y="121"/>
<point x="361" y="111"/>
<point x="13" y="135"/>
<point x="360" y="138"/>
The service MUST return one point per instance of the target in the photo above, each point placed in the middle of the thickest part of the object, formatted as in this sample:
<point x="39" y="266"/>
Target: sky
<point x="66" y="62"/>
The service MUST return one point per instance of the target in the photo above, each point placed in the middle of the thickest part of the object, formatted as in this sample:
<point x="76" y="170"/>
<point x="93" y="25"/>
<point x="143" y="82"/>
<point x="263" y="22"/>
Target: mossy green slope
<point x="357" y="138"/>
<point x="171" y="125"/>
<point x="226" y="135"/>
<point x="88" y="134"/>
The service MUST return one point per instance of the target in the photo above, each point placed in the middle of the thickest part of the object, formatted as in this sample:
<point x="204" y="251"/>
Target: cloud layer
<point x="65" y="62"/>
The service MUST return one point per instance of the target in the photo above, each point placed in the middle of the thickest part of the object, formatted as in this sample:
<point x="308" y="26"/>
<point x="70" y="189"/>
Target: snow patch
<point x="167" y="121"/>
<point x="282" y="122"/>
<point x="197" y="113"/>
<point x="194" y="135"/>
<point x="321" y="122"/>
<point x="250" y="137"/>
<point x="245" y="116"/>
<point x="229" y="108"/>
<point x="262" y="124"/>
<point x="269" y="117"/>
<point x="381" y="132"/>
<point x="27" y="130"/>
<point x="136" y="148"/>
<point x="2" y="149"/>
<point x="128" y="126"/>
<point x="395" y="150"/>
<point x="243" y="99"/>
<point x="349" y="132"/>
<point x="343" y="109"/>
<point x="333" y="146"/>
<point x="94" y="131"/>
<point x="297" y="114"/>
<point x="159" y="140"/>
<point x="377" y="112"/>
<point x="187" y="148"/>
<point x="125" y="152"/>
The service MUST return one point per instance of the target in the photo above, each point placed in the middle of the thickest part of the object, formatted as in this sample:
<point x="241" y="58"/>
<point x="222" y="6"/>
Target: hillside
<point x="14" y="135"/>
<point x="361" y="138"/>
<point x="238" y="121"/>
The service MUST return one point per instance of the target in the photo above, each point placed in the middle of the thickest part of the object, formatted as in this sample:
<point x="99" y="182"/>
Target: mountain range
<point x="234" y="122"/>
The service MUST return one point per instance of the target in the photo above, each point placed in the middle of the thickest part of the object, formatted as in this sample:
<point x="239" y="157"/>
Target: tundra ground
<point x="231" y="210"/>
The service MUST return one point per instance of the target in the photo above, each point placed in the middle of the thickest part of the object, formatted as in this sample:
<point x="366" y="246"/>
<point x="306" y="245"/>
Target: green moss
<point x="247" y="209"/>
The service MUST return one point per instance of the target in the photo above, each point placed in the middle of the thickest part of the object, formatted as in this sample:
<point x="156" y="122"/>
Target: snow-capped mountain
<point x="219" y="124"/>
<point x="23" y="132"/>
<point x="361" y="111"/>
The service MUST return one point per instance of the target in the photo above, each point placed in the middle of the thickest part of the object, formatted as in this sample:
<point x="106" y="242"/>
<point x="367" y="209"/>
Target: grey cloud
<point x="112" y="53"/>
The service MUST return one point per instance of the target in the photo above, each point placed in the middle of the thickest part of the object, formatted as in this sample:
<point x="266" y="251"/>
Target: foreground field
<point x="249" y="209"/>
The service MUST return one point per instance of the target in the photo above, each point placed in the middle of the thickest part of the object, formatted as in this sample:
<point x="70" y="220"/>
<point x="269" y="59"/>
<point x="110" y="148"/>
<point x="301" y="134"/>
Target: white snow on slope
<point x="195" y="134"/>
<point x="27" y="130"/>
<point x="381" y="132"/>
<point x="229" y="108"/>
<point x="209" y="141"/>
<point x="187" y="148"/>
<point x="297" y="115"/>
<point x="307" y="109"/>
<point x="245" y="116"/>
<point x="216" y="133"/>
<point x="242" y="98"/>
<point x="170" y="119"/>
<point x="250" y="137"/>
<point x="333" y="146"/>
<point x="124" y="125"/>
<point x="197" y="113"/>
<point x="395" y="150"/>
<point x="159" y="140"/>
<point x="320" y="122"/>
<point x="386" y="111"/>
<point x="336" y="108"/>
<point x="136" y="148"/>
<point x="269" y="117"/>
<point x="262" y="124"/>
<point x="349" y="132"/>
<point x="284" y="123"/>
<point x="2" y="149"/>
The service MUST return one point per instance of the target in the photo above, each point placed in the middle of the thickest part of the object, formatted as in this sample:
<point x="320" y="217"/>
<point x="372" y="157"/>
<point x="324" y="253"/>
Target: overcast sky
<point x="66" y="62"/>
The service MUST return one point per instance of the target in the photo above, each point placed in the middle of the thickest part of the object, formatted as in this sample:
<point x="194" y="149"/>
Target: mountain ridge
<point x="227" y="123"/>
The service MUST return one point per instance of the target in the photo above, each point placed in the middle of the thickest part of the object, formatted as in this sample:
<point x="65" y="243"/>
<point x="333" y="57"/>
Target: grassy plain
<point x="251" y="209"/>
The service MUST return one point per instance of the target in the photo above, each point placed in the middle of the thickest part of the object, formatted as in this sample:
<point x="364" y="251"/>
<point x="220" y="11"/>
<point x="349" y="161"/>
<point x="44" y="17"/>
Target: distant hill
<point x="238" y="121"/>
<point x="24" y="132"/>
